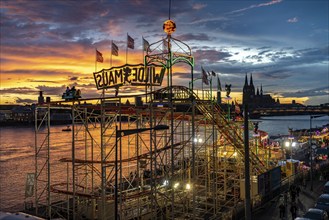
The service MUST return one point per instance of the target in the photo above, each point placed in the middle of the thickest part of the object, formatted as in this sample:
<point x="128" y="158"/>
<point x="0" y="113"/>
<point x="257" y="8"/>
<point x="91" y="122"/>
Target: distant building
<point x="22" y="114"/>
<point x="256" y="98"/>
<point x="41" y="99"/>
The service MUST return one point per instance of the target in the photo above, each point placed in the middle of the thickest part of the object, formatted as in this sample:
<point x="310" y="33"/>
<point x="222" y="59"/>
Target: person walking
<point x="293" y="195"/>
<point x="292" y="191"/>
<point x="282" y="210"/>
<point x="293" y="210"/>
<point x="297" y="190"/>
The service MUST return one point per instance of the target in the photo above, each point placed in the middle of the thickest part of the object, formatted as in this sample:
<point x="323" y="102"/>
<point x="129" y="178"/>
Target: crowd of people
<point x="294" y="192"/>
<point x="73" y="91"/>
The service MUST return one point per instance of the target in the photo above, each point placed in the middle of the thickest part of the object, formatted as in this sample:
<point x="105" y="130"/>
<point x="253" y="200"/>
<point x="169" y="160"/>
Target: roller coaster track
<point x="142" y="156"/>
<point x="216" y="115"/>
<point x="211" y="111"/>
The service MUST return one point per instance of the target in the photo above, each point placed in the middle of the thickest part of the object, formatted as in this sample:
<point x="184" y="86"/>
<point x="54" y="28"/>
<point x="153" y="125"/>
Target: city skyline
<point x="49" y="45"/>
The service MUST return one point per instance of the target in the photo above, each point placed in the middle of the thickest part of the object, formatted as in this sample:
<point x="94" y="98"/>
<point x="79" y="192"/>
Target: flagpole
<point x="111" y="52"/>
<point x="145" y="68"/>
<point x="202" y="72"/>
<point x="96" y="60"/>
<point x="202" y="90"/>
<point x="127" y="50"/>
<point x="211" y="88"/>
<point x="219" y="90"/>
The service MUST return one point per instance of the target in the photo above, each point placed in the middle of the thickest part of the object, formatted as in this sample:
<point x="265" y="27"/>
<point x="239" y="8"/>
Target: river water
<point x="17" y="153"/>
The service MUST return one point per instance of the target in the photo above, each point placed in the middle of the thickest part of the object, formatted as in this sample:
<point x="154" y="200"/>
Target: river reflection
<point x="17" y="152"/>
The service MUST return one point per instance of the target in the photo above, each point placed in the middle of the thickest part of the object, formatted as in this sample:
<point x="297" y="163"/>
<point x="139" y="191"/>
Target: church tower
<point x="252" y="88"/>
<point x="245" y="92"/>
<point x="248" y="91"/>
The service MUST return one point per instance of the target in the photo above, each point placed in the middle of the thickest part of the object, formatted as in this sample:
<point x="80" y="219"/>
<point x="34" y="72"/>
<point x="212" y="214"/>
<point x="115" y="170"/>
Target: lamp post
<point x="311" y="148"/>
<point x="247" y="204"/>
<point x="290" y="144"/>
<point x="119" y="134"/>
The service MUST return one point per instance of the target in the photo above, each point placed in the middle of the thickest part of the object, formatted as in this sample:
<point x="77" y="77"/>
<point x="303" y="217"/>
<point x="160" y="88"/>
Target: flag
<point x="130" y="42"/>
<point x="99" y="56"/>
<point x="146" y="45"/>
<point x="165" y="45"/>
<point x="237" y="107"/>
<point x="213" y="73"/>
<point x="219" y="86"/>
<point x="204" y="77"/>
<point x="115" y="50"/>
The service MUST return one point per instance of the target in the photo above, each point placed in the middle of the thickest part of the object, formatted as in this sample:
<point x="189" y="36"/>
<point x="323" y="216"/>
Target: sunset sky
<point x="50" y="44"/>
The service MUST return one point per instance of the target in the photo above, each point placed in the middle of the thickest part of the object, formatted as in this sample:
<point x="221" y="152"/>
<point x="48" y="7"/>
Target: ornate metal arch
<point x="167" y="52"/>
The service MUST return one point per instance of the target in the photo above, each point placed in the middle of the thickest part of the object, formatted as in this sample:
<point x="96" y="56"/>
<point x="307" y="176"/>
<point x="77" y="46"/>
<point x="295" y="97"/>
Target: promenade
<point x="306" y="200"/>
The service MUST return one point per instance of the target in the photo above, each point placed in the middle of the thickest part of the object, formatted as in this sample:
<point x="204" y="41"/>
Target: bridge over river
<point x="290" y="110"/>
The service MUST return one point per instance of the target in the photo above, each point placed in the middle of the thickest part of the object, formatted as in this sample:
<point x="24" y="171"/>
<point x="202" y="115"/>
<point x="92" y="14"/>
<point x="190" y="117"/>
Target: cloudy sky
<point x="50" y="44"/>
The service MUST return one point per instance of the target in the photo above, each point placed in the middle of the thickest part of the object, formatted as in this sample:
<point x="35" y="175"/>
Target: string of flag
<point x="130" y="44"/>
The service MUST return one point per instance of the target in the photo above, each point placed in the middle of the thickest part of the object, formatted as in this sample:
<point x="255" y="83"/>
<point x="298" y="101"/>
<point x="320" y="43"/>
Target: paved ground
<point x="306" y="200"/>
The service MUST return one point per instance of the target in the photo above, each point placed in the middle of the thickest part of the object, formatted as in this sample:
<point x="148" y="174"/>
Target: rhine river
<point x="17" y="153"/>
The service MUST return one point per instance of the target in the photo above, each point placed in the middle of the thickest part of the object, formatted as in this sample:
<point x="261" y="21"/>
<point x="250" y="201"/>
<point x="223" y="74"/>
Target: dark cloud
<point x="253" y="38"/>
<point x="51" y="90"/>
<point x="41" y="81"/>
<point x="263" y="52"/>
<point x="74" y="78"/>
<point x="264" y="48"/>
<point x="210" y="55"/>
<point x="190" y="36"/>
<point x="320" y="91"/>
<point x="183" y="75"/>
<point x="273" y="75"/>
<point x="25" y="101"/>
<point x="18" y="90"/>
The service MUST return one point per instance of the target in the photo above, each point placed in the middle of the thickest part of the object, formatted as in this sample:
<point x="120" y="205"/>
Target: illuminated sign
<point x="136" y="75"/>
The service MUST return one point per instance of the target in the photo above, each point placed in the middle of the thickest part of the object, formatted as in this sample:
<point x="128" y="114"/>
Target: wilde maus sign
<point x="128" y="74"/>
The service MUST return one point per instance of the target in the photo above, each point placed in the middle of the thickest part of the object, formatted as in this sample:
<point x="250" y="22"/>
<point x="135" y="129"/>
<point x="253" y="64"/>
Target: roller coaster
<point x="159" y="174"/>
<point x="153" y="160"/>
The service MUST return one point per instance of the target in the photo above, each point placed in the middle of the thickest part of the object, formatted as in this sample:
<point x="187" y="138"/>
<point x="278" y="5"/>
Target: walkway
<point x="306" y="200"/>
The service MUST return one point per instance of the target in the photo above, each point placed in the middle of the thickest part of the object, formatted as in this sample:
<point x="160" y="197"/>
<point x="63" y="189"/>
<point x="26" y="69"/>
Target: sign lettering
<point x="137" y="75"/>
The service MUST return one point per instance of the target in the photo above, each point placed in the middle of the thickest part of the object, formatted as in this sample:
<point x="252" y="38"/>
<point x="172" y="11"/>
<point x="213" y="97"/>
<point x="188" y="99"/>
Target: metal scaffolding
<point x="175" y="156"/>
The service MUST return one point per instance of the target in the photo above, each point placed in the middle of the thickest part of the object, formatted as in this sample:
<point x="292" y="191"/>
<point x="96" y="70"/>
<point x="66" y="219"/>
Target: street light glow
<point x="188" y="186"/>
<point x="196" y="140"/>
